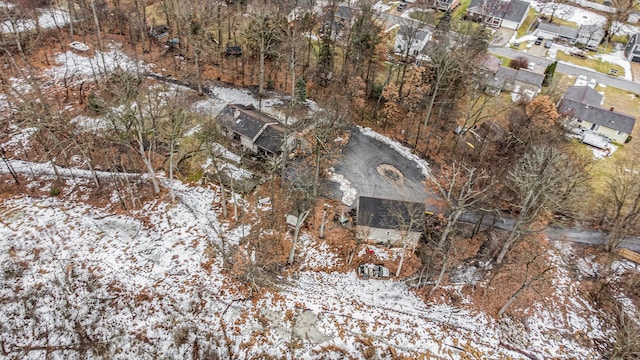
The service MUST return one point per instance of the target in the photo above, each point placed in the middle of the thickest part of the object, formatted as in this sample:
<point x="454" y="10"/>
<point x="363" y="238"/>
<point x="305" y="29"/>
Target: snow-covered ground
<point x="150" y="283"/>
<point x="47" y="19"/>
<point x="570" y="13"/>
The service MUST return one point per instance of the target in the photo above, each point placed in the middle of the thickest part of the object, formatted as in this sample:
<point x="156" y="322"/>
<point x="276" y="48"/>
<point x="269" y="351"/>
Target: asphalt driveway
<point x="376" y="169"/>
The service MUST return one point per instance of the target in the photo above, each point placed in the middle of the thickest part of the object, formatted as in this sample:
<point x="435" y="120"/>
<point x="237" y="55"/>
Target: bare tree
<point x="531" y="276"/>
<point x="616" y="20"/>
<point x="545" y="180"/>
<point x="621" y="202"/>
<point x="263" y="32"/>
<point x="410" y="220"/>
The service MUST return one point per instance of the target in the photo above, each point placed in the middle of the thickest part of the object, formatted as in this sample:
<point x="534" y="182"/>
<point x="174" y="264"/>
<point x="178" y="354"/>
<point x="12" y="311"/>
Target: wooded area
<point x="150" y="136"/>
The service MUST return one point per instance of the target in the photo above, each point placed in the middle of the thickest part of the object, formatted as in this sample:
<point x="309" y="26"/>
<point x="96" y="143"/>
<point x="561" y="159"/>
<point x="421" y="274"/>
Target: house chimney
<point x="611" y="108"/>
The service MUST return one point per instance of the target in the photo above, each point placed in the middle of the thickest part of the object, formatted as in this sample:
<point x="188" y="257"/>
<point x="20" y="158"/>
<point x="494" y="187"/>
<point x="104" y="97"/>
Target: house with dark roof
<point x="251" y="130"/>
<point x="632" y="50"/>
<point x="389" y="221"/>
<point x="414" y="39"/>
<point x="497" y="13"/>
<point x="521" y="82"/>
<point x="581" y="107"/>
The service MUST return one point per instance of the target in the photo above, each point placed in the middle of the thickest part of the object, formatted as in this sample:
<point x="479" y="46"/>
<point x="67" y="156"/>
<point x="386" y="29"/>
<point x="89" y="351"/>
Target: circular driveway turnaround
<point x="375" y="169"/>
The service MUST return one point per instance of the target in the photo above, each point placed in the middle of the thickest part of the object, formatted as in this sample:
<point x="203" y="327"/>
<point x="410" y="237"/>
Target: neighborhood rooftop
<point x="513" y="10"/>
<point x="597" y="115"/>
<point x="584" y="95"/>
<point x="530" y="77"/>
<point x="265" y="131"/>
<point x="561" y="30"/>
<point x="390" y="214"/>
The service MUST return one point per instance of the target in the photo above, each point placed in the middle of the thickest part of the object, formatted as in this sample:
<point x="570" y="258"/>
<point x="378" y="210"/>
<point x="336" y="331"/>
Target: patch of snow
<point x="381" y="7"/>
<point x="618" y="59"/>
<point x="225" y="153"/>
<point x="378" y="252"/>
<point x="48" y="19"/>
<point x="76" y="68"/>
<point x="349" y="193"/>
<point x="19" y="141"/>
<point x="571" y="13"/>
<point x="603" y="153"/>
<point x="401" y="149"/>
<point x="316" y="255"/>
<point x="90" y="123"/>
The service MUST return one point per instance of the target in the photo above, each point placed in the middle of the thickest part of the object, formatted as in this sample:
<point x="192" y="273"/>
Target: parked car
<point x="592" y="83"/>
<point x="539" y="40"/>
<point x="581" y="80"/>
<point x="548" y="43"/>
<point x="402" y="6"/>
<point x="531" y="66"/>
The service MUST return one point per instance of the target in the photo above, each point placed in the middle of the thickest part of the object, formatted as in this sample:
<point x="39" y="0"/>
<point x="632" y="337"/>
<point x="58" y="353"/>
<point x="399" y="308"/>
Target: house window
<point x="621" y="133"/>
<point x="595" y="127"/>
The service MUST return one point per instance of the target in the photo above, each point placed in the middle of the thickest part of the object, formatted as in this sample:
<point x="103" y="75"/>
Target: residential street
<point x="589" y="237"/>
<point x="612" y="81"/>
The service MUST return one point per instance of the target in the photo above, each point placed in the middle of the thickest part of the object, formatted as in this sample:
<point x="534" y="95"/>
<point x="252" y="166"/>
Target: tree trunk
<point x="404" y="249"/>
<point x="301" y="218"/>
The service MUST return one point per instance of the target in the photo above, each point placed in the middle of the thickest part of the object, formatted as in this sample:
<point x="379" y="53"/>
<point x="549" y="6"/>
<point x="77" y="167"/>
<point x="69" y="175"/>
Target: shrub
<point x="518" y="63"/>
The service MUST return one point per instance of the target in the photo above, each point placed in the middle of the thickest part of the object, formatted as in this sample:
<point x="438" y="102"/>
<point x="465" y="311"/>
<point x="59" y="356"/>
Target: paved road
<point x="589" y="237"/>
<point x="612" y="81"/>
<point x="359" y="162"/>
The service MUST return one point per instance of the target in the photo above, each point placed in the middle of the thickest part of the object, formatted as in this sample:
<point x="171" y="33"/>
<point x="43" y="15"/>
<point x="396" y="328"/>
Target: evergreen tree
<point x="549" y="72"/>
<point x="301" y="90"/>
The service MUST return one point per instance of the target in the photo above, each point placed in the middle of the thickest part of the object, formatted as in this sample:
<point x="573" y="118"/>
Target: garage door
<point x="636" y="59"/>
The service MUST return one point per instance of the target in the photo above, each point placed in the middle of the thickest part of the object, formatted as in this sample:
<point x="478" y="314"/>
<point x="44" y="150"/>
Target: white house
<point x="415" y="39"/>
<point x="497" y="13"/>
<point x="632" y="50"/>
<point x="581" y="108"/>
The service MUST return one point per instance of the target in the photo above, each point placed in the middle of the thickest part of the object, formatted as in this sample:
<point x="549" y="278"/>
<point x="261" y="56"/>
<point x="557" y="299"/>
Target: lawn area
<point x="505" y="60"/>
<point x="626" y="103"/>
<point x="622" y="101"/>
<point x="461" y="9"/>
<point x="420" y="15"/>
<point x="559" y="21"/>
<point x="597" y="65"/>
<point x="524" y="28"/>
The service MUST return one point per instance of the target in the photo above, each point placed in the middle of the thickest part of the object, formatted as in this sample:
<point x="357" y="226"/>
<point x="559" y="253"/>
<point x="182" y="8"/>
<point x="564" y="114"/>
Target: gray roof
<point x="506" y="73"/>
<point x="530" y="77"/>
<point x="490" y="63"/>
<point x="344" y="12"/>
<point x="390" y="214"/>
<point x="595" y="31"/>
<point x="560" y="30"/>
<point x="597" y="115"/>
<point x="584" y="95"/>
<point x="419" y="35"/>
<point x="264" y="130"/>
<point x="634" y="39"/>
<point x="514" y="10"/>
